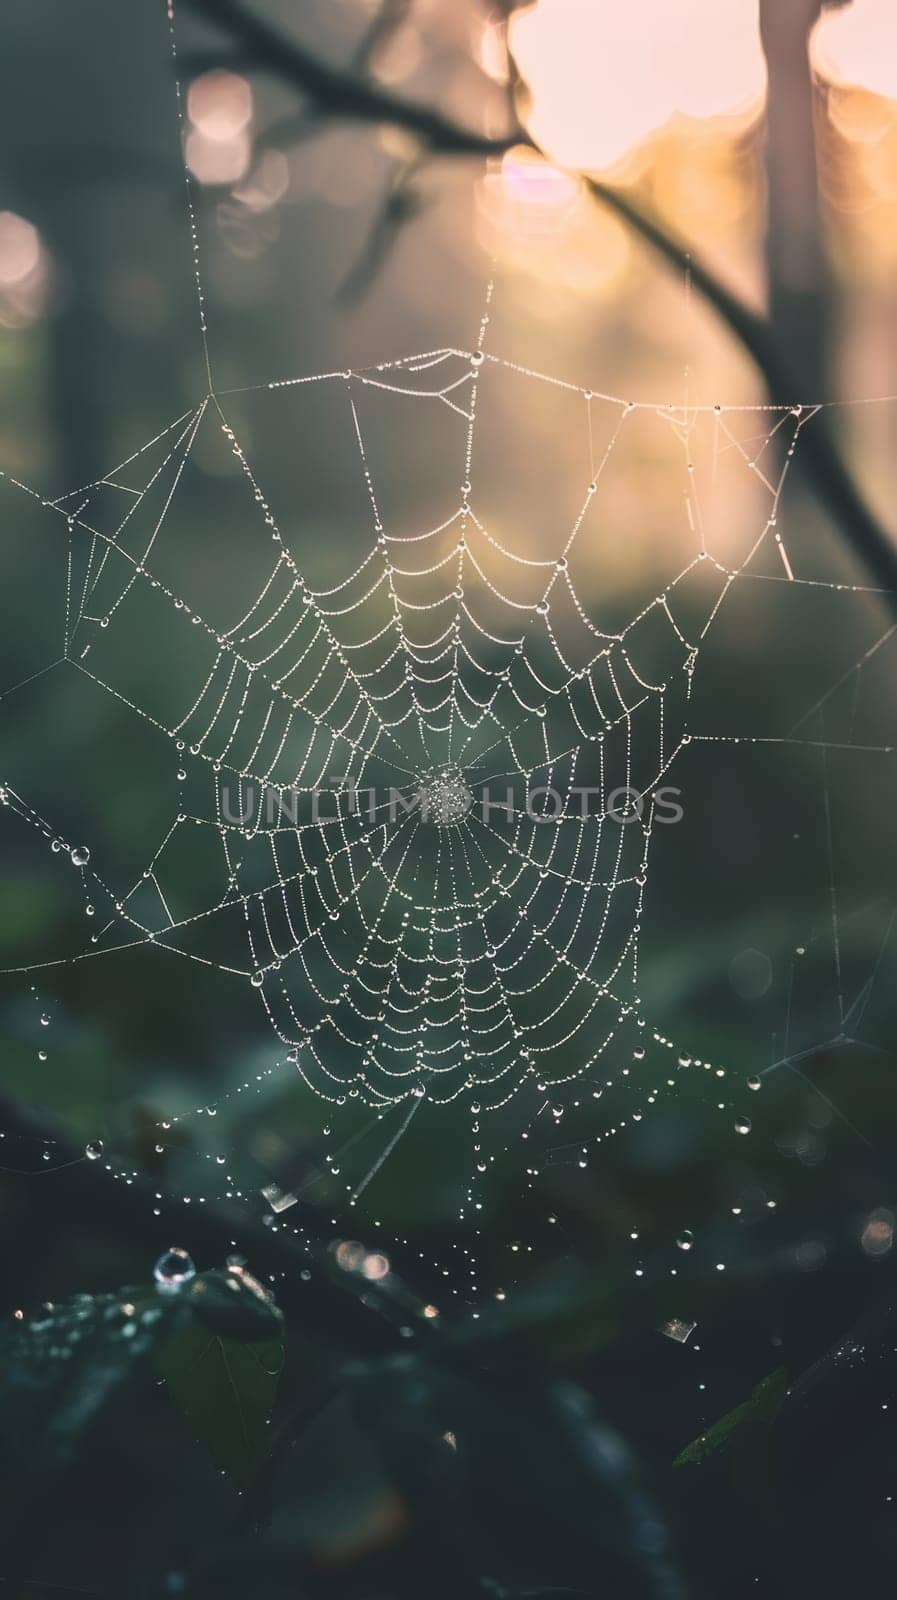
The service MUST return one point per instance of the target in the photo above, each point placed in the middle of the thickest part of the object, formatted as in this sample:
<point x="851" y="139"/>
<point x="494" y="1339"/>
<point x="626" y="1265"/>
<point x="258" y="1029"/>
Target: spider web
<point x="393" y="767"/>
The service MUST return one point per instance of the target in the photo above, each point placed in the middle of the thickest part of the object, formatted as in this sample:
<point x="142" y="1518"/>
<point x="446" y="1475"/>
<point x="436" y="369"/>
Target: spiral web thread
<point x="448" y="951"/>
<point x="402" y="957"/>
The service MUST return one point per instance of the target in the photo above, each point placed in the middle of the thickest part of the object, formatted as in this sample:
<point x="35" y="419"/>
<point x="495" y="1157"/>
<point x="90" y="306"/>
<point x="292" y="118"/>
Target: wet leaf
<point x="66" y="1367"/>
<point x="235" y="1305"/>
<point x="761" y="1409"/>
<point x="61" y="1369"/>
<point x="224" y="1388"/>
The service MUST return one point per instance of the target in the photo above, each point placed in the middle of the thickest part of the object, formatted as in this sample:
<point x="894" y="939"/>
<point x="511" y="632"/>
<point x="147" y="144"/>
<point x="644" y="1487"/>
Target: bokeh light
<point x="19" y="249"/>
<point x="853" y="54"/>
<point x="538" y="218"/>
<point x="218" y="145"/>
<point x="24" y="272"/>
<point x="603" y="79"/>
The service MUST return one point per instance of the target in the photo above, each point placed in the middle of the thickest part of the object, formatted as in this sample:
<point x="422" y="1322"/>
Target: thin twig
<point x="340" y="93"/>
<point x="400" y="204"/>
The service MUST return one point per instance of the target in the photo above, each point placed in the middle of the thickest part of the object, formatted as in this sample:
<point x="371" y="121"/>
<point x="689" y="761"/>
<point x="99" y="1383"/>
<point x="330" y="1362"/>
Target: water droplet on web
<point x="173" y="1269"/>
<point x="567" y="882"/>
<point x="754" y="1082"/>
<point x="45" y="1020"/>
<point x="94" y="1150"/>
<point x="742" y="1124"/>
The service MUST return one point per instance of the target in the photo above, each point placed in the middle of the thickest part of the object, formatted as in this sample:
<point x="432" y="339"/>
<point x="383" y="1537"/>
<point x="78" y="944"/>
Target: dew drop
<point x="173" y="1269"/>
<point x="80" y="855"/>
<point x="742" y="1124"/>
<point x="686" y="1239"/>
<point x="94" y="1150"/>
<point x="754" y="1083"/>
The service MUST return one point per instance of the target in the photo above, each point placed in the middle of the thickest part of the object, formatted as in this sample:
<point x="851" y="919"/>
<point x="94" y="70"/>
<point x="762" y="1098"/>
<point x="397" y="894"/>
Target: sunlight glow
<point x="546" y="192"/>
<point x="858" y="45"/>
<point x="536" y="217"/>
<point x="603" y="78"/>
<point x="853" y="52"/>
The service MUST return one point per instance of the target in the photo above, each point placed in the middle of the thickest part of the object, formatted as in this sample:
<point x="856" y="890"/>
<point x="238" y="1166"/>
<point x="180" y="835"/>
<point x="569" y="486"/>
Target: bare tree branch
<point x="819" y="454"/>
<point x="339" y="93"/>
<point x="401" y="203"/>
<point x="334" y="93"/>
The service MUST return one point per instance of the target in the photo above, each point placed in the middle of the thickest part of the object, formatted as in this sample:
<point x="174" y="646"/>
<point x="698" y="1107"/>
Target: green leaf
<point x="61" y="1370"/>
<point x="235" y="1305"/>
<point x="65" y="1369"/>
<point x="761" y="1409"/>
<point x="224" y="1387"/>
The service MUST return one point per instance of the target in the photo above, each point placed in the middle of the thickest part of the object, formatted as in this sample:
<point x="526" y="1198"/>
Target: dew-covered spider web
<point x="394" y="758"/>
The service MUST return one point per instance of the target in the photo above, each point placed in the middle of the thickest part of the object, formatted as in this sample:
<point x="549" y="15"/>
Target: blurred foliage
<point x="459" y="1462"/>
